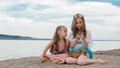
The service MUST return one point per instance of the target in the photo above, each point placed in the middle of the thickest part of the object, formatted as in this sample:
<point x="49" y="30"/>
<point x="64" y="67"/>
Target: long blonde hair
<point x="56" y="39"/>
<point x="74" y="28"/>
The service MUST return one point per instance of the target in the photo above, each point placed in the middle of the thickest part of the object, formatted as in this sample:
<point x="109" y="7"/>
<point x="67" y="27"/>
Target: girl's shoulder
<point x="52" y="42"/>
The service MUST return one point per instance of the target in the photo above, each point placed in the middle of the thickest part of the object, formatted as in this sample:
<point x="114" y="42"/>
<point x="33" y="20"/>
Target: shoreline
<point x="33" y="62"/>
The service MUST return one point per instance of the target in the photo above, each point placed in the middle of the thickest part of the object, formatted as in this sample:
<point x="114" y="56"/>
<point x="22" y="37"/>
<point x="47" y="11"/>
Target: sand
<point x="113" y="56"/>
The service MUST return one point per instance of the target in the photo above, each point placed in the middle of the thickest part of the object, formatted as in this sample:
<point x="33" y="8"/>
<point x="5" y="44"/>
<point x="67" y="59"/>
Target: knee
<point x="71" y="60"/>
<point x="81" y="62"/>
<point x="67" y="60"/>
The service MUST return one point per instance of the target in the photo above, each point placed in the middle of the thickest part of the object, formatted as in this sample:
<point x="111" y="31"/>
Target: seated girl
<point x="58" y="46"/>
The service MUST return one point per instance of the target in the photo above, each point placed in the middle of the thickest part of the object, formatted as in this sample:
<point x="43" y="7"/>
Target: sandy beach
<point x="113" y="56"/>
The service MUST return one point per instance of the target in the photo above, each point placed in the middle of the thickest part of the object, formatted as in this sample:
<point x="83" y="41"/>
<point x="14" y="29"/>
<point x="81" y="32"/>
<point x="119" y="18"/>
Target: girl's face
<point x="63" y="32"/>
<point x="79" y="23"/>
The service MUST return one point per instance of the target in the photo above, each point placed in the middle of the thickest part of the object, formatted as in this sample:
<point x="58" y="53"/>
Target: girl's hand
<point x="42" y="59"/>
<point x="78" y="36"/>
<point x="82" y="36"/>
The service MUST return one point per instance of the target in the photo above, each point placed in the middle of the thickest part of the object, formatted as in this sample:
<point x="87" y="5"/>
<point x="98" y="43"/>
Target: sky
<point x="39" y="18"/>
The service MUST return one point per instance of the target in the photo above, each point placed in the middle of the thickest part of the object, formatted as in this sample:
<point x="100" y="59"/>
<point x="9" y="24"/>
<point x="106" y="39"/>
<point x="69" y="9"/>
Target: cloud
<point x="27" y="27"/>
<point x="29" y="17"/>
<point x="114" y="2"/>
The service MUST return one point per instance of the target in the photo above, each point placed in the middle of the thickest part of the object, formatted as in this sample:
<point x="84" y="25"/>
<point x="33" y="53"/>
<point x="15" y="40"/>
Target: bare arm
<point x="46" y="48"/>
<point x="68" y="43"/>
<point x="75" y="40"/>
<point x="85" y="43"/>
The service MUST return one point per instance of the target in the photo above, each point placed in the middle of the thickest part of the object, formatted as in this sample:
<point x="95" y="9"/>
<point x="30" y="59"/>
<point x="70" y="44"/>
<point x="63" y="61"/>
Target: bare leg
<point x="101" y="61"/>
<point x="71" y="60"/>
<point x="84" y="60"/>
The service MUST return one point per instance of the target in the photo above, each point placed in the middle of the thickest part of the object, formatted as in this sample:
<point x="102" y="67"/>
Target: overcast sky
<point x="39" y="18"/>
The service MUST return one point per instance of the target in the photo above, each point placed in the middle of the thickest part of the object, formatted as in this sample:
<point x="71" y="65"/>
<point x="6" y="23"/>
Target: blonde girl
<point x="79" y="36"/>
<point x="80" y="39"/>
<point x="58" y="46"/>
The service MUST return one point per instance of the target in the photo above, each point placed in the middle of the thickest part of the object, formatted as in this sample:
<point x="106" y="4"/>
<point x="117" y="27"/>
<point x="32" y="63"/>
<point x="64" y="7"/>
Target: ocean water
<point x="12" y="49"/>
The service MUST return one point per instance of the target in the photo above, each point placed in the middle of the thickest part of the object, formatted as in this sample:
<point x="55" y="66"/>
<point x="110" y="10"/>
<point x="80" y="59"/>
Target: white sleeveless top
<point x="88" y="39"/>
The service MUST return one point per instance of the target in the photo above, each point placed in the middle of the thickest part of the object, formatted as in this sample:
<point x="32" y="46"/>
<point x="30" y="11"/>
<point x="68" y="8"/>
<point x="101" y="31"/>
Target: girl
<point x="80" y="39"/>
<point x="58" y="46"/>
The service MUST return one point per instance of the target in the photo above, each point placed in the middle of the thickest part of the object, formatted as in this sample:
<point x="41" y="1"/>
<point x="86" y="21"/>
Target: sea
<point x="14" y="49"/>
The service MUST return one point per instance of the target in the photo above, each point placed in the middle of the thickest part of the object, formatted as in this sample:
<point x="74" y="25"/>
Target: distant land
<point x="17" y="37"/>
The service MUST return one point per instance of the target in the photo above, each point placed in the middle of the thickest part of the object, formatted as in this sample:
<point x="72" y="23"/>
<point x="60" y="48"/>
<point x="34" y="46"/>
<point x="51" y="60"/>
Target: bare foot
<point x="101" y="61"/>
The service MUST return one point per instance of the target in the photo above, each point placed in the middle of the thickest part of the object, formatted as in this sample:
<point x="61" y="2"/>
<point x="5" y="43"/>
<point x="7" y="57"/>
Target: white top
<point x="88" y="39"/>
